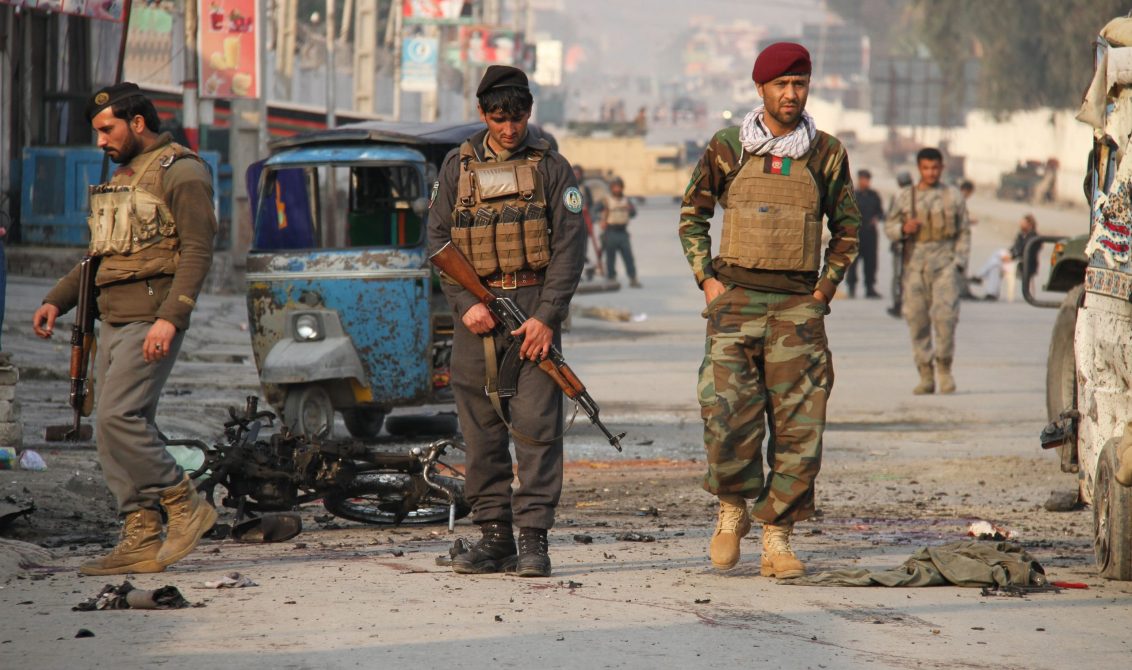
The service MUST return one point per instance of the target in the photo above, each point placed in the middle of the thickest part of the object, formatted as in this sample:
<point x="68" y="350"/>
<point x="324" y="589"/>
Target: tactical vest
<point x="617" y="211"/>
<point x="500" y="220"/>
<point x="939" y="223"/>
<point x="772" y="216"/>
<point x="131" y="227"/>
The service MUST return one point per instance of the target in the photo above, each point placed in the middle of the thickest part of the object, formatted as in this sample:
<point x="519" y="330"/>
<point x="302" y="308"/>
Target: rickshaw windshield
<point x="328" y="206"/>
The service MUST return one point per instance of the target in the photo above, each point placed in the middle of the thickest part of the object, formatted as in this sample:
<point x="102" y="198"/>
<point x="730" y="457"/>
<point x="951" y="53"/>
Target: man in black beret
<point x="152" y="262"/>
<point x="507" y="194"/>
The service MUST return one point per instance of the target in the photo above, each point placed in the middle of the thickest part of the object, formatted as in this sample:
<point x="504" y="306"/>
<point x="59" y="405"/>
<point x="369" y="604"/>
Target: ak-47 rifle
<point x="901" y="250"/>
<point x="508" y="317"/>
<point x="82" y="351"/>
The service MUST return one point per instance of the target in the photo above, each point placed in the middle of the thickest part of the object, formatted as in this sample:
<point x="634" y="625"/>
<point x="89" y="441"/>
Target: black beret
<point x="502" y="76"/>
<point x="109" y="95"/>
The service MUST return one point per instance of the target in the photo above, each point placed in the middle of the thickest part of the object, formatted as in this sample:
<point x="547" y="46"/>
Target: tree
<point x="1032" y="53"/>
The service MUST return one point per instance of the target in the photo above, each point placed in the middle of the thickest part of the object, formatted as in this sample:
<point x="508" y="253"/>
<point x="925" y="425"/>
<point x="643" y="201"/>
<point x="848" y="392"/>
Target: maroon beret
<point x="781" y="58"/>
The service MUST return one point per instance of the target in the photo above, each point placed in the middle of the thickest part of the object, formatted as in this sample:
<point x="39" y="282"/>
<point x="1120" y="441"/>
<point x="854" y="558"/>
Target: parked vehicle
<point x="1089" y="387"/>
<point x="342" y="305"/>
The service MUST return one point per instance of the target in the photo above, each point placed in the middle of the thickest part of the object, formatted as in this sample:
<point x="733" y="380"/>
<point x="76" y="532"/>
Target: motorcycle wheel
<point x="376" y="497"/>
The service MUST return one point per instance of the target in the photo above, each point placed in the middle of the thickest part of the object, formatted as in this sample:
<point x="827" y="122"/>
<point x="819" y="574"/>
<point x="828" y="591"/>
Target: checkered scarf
<point x="757" y="139"/>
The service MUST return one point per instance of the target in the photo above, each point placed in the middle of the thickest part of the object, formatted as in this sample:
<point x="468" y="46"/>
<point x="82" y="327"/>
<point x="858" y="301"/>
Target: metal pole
<point x="190" y="99"/>
<point x="398" y="27"/>
<point x="330" y="226"/>
<point x="263" y="72"/>
<point x="331" y="91"/>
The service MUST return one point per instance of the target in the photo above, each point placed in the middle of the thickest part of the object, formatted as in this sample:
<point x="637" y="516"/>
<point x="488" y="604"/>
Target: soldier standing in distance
<point x="154" y="261"/>
<point x="504" y="176"/>
<point x="767" y="295"/>
<point x="868" y="201"/>
<point x="931" y="217"/>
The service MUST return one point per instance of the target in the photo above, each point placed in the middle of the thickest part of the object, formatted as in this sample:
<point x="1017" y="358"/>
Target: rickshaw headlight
<point x="307" y="328"/>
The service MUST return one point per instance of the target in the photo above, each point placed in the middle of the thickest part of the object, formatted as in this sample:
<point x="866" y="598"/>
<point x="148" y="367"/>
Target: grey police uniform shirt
<point x="567" y="231"/>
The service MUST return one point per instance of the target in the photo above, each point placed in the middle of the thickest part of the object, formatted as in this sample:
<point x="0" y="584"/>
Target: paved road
<point x="900" y="472"/>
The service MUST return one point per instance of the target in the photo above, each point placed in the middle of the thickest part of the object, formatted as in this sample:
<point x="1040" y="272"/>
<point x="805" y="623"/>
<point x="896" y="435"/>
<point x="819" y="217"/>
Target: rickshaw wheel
<point x="307" y="410"/>
<point x="364" y="423"/>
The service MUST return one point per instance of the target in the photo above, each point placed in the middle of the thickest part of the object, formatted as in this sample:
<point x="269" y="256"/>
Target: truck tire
<point x="1061" y="364"/>
<point x="1112" y="518"/>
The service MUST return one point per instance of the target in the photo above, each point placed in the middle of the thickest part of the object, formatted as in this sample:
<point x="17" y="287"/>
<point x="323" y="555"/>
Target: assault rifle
<point x="901" y="250"/>
<point x="508" y="317"/>
<point x="82" y="351"/>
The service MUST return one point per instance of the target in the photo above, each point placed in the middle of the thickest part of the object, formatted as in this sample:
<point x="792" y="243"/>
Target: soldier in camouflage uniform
<point x="766" y="358"/>
<point x="931" y="219"/>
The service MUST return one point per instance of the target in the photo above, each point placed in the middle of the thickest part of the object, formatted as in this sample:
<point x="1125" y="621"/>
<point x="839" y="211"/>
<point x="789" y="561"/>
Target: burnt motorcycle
<point x="354" y="480"/>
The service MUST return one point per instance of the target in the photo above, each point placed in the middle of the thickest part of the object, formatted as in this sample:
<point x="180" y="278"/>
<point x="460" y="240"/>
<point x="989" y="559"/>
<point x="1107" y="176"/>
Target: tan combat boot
<point x="927" y="380"/>
<point x="778" y="558"/>
<point x="189" y="517"/>
<point x="946" y="381"/>
<point x="136" y="551"/>
<point x="733" y="525"/>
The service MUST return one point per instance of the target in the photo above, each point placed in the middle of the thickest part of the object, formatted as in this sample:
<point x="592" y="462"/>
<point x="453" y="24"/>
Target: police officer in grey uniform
<point x="512" y="205"/>
<point x="152" y="229"/>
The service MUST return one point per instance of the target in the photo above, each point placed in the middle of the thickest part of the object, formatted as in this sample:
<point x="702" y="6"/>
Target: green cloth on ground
<point x="967" y="563"/>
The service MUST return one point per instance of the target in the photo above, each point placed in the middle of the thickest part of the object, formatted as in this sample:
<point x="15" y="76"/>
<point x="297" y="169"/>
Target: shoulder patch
<point x="572" y="198"/>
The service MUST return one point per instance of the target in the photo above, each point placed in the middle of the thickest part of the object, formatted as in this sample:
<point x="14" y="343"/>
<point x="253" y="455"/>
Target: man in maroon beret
<point x="767" y="294"/>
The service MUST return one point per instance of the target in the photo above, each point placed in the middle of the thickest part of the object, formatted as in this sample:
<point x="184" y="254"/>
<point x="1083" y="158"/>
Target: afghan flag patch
<point x="776" y="165"/>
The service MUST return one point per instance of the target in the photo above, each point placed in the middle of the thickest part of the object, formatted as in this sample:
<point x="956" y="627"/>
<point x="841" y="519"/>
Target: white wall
<point x="991" y="146"/>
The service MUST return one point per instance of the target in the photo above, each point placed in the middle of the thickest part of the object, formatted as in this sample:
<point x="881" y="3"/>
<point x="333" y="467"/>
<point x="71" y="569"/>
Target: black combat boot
<point x="495" y="552"/>
<point x="534" y="559"/>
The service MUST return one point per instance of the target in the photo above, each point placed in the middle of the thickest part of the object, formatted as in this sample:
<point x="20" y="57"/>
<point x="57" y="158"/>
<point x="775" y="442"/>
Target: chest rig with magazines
<point x="500" y="220"/>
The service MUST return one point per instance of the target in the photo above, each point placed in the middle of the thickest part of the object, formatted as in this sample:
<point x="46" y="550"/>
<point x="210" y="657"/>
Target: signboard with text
<point x="228" y="49"/>
<point x="420" y="60"/>
<point x="106" y="10"/>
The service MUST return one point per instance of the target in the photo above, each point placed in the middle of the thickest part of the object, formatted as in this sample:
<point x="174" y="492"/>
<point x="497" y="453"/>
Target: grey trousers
<point x="134" y="461"/>
<point x="536" y="411"/>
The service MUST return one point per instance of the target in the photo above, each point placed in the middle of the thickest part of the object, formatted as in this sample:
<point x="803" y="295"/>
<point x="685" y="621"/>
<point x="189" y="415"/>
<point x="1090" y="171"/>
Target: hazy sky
<point x="633" y="34"/>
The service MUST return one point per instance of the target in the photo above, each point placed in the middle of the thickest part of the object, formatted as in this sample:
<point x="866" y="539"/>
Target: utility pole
<point x="398" y="29"/>
<point x="330" y="226"/>
<point x="365" y="56"/>
<point x="190" y="99"/>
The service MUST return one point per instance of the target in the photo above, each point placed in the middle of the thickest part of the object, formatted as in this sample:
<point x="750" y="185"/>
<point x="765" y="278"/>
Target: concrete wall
<point x="991" y="146"/>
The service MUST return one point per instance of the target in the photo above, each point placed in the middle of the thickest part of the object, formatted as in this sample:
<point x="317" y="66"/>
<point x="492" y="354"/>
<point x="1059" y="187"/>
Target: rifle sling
<point x="502" y="382"/>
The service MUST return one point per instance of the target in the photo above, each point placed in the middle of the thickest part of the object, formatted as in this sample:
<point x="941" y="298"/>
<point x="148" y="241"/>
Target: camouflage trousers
<point x="766" y="361"/>
<point x="931" y="302"/>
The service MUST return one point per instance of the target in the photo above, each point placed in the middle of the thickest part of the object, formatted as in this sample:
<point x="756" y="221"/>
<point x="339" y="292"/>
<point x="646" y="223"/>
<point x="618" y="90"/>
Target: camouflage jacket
<point x="931" y="200"/>
<point x="712" y="177"/>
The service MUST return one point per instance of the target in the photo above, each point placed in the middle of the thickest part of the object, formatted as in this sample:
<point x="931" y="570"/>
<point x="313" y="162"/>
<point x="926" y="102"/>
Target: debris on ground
<point x="985" y="530"/>
<point x="634" y="536"/>
<point x="232" y="580"/>
<point x="458" y="547"/>
<point x="967" y="563"/>
<point x="31" y="460"/>
<point x="582" y="538"/>
<point x="269" y="528"/>
<point x="12" y="509"/>
<point x="84" y="632"/>
<point x="1063" y="501"/>
<point x="125" y="596"/>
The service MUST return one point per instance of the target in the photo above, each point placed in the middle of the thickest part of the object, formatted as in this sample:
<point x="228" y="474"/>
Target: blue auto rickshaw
<point x="343" y="308"/>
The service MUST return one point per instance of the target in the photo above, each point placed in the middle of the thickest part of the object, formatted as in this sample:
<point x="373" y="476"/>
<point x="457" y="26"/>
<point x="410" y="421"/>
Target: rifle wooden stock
<point x="452" y="262"/>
